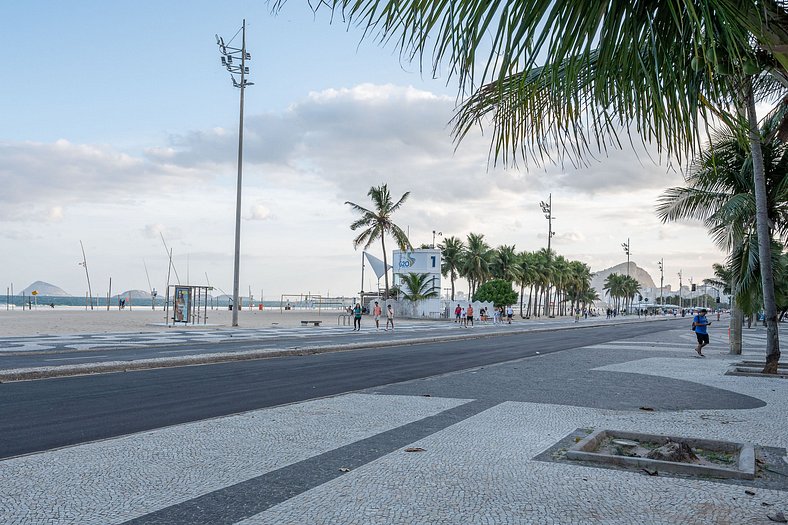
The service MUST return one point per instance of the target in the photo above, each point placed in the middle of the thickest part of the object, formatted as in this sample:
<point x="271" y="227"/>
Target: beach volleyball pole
<point x="85" y="264"/>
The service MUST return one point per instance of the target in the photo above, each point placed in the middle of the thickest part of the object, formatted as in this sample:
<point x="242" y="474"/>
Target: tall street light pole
<point x="547" y="209"/>
<point x="681" y="300"/>
<point x="661" y="281"/>
<point x="625" y="245"/>
<point x="229" y="54"/>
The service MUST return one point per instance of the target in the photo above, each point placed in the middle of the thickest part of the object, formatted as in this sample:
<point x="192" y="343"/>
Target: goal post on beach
<point x="309" y="301"/>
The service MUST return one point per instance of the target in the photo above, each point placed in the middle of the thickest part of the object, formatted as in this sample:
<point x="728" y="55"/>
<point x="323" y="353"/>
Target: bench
<point x="314" y="323"/>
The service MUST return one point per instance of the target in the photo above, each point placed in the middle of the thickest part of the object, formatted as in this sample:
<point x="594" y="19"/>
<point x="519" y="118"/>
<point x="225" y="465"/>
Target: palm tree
<point x="504" y="263"/>
<point x="560" y="276"/>
<point x="452" y="250"/>
<point x="543" y="275"/>
<point x="630" y="287"/>
<point x="578" y="284"/>
<point x="527" y="277"/>
<point x="720" y="192"/>
<point x="615" y="286"/>
<point x="418" y="286"/>
<point x="477" y="258"/>
<point x="378" y="223"/>
<point x="656" y="67"/>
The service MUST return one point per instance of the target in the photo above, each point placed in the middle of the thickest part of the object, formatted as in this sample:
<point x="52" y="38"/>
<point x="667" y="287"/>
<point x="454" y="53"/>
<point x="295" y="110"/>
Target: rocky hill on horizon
<point x="641" y="275"/>
<point x="45" y="289"/>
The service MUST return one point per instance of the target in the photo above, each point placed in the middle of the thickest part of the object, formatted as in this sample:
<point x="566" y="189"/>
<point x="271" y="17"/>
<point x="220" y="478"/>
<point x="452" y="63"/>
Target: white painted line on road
<point x="175" y="351"/>
<point x="69" y="358"/>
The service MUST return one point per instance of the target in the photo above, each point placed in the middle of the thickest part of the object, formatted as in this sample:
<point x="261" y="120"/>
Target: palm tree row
<point x="621" y="288"/>
<point x="552" y="280"/>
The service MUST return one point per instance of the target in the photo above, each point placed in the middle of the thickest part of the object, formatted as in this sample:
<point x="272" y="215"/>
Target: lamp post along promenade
<point x="547" y="209"/>
<point x="234" y="60"/>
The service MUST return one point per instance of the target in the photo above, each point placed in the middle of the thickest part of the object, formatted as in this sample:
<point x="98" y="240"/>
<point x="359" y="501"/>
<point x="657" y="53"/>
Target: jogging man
<point x="699" y="324"/>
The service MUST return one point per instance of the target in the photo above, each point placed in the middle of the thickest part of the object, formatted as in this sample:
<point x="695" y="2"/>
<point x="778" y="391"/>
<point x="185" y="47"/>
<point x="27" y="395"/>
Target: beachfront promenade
<point x="323" y="438"/>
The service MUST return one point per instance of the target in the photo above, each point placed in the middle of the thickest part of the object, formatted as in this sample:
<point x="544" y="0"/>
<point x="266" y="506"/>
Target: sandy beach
<point x="71" y="320"/>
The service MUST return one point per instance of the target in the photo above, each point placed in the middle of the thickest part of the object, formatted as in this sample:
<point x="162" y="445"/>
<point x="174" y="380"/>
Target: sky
<point x="119" y="126"/>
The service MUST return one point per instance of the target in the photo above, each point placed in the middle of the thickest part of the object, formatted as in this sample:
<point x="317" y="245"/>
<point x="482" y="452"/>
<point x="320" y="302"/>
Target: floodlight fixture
<point x="625" y="245"/>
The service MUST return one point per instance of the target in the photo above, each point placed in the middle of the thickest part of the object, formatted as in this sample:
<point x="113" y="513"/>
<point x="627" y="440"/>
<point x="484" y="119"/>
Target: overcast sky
<point x="119" y="125"/>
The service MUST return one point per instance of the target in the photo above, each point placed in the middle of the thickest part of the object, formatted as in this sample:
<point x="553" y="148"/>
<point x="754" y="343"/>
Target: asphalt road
<point x="48" y="351"/>
<point x="46" y="414"/>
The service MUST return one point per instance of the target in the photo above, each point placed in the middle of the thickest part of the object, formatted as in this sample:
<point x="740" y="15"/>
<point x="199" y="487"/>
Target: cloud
<point x="368" y="134"/>
<point x="55" y="213"/>
<point x="38" y="178"/>
<point x="258" y="212"/>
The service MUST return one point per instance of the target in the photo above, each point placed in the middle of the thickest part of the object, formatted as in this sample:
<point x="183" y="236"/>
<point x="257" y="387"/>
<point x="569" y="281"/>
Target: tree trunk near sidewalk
<point x="385" y="268"/>
<point x="735" y="327"/>
<point x="764" y="237"/>
<point x="522" y="291"/>
<point x="736" y="321"/>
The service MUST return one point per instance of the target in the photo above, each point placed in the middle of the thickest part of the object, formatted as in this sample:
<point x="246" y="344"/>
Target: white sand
<point x="74" y="320"/>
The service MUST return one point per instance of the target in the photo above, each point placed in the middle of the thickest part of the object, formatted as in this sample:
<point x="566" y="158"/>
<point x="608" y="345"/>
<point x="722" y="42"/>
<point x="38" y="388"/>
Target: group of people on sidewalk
<point x="377" y="312"/>
<point x="465" y="316"/>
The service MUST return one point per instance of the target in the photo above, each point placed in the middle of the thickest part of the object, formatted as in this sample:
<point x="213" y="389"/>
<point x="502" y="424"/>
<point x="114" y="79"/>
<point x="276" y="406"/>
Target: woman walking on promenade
<point x="357" y="317"/>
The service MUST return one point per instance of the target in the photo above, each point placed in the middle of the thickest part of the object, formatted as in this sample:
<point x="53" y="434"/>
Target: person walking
<point x="389" y="318"/>
<point x="377" y="312"/>
<point x="457" y="313"/>
<point x="469" y="315"/>
<point x="699" y="325"/>
<point x="509" y="313"/>
<point x="357" y="317"/>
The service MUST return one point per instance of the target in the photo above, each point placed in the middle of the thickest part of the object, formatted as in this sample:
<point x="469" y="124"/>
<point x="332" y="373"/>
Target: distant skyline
<point x="120" y="126"/>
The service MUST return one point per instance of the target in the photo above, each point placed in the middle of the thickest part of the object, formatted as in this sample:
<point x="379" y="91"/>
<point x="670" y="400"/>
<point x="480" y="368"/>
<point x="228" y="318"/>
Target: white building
<point x="421" y="261"/>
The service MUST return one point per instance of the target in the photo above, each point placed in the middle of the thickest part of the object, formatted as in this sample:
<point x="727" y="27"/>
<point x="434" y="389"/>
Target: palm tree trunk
<point x="737" y="316"/>
<point x="452" y="277"/>
<point x="764" y="237"/>
<point x="735" y="326"/>
<point x="530" y="301"/>
<point x="385" y="268"/>
<point x="522" y="291"/>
